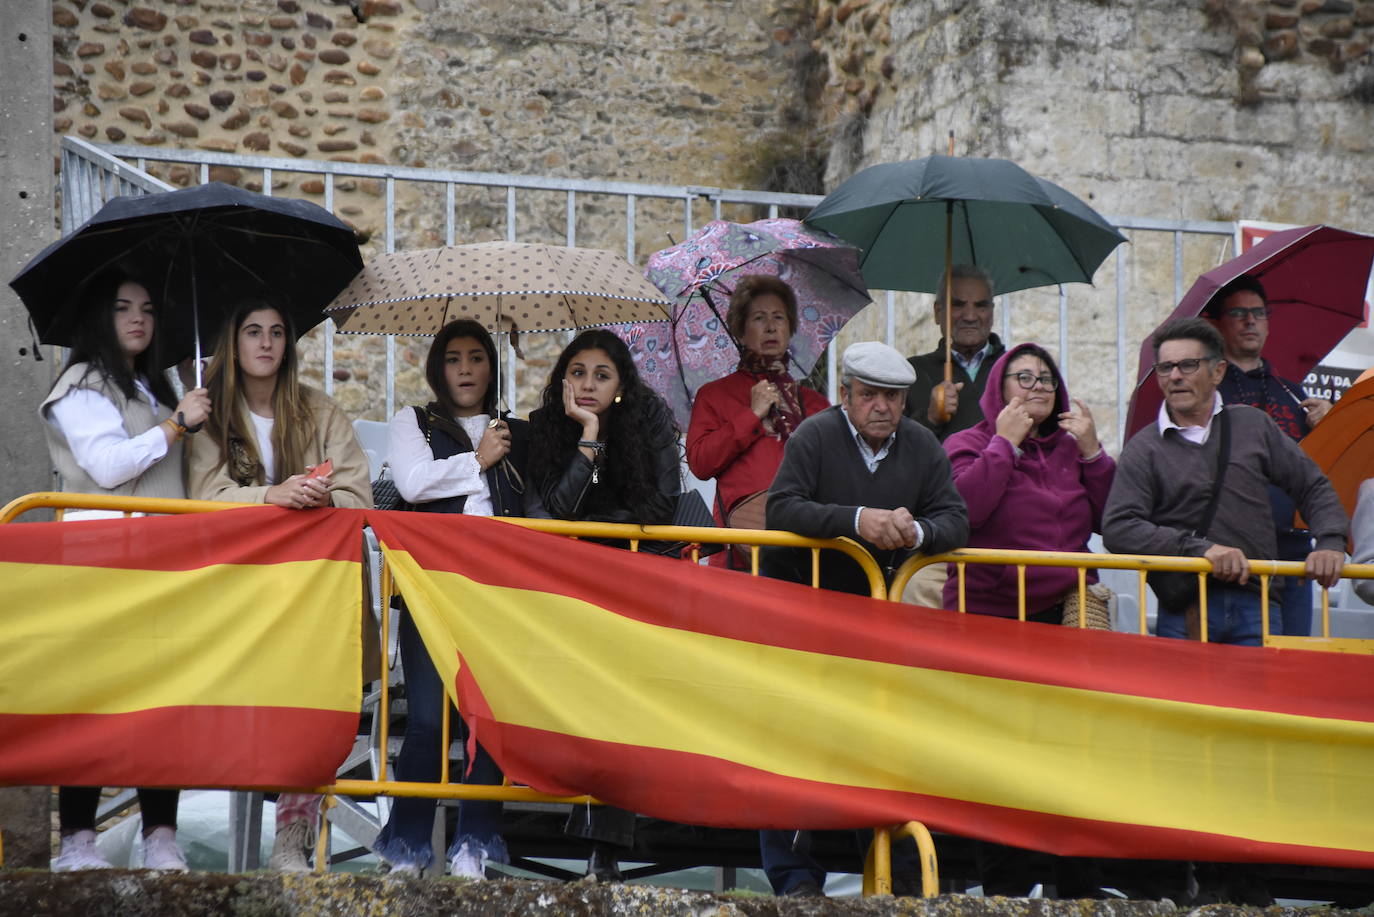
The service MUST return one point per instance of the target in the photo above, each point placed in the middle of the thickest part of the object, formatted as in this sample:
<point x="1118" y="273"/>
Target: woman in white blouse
<point x="113" y="426"/>
<point x="455" y="455"/>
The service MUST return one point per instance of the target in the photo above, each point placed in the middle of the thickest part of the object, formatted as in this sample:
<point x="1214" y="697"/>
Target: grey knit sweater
<point x="1163" y="484"/>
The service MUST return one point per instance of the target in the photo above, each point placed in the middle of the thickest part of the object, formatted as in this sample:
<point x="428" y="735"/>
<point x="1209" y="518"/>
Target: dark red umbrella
<point x="1315" y="278"/>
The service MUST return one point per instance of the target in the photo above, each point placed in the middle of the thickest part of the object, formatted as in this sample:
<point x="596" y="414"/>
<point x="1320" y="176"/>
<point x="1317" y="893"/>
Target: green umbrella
<point x="913" y="220"/>
<point x="1024" y="231"/>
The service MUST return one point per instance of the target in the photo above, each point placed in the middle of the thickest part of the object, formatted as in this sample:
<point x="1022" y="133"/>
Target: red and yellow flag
<point x="218" y="649"/>
<point x="709" y="697"/>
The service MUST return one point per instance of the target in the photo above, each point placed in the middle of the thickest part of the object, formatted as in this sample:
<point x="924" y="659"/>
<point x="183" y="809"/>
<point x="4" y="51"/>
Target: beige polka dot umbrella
<point x="507" y="286"/>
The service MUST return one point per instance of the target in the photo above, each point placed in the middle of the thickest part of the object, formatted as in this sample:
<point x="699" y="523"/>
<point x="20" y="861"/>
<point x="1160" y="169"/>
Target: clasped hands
<point x="888" y="529"/>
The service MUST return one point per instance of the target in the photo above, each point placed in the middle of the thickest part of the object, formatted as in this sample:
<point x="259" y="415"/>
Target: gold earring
<point x="617" y="398"/>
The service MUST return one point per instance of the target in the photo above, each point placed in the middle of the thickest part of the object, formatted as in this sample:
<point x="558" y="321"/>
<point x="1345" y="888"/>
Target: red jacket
<point x="727" y="442"/>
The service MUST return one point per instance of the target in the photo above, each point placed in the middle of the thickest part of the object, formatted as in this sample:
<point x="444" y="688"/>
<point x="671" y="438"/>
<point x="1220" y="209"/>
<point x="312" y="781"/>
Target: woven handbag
<point x="1097" y="614"/>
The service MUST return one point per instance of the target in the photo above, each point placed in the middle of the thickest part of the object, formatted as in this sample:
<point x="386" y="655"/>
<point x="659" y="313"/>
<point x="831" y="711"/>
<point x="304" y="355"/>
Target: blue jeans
<point x="406" y="837"/>
<point x="786" y="868"/>
<point x="1296" y="593"/>
<point x="1233" y="616"/>
<point x="1295" y="614"/>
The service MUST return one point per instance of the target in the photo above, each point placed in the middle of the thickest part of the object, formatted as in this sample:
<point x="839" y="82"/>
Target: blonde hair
<point x="293" y="426"/>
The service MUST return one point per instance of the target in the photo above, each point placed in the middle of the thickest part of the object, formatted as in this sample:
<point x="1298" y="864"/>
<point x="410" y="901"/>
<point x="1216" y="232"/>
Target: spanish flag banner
<point x="215" y="649"/>
<point x="710" y="697"/>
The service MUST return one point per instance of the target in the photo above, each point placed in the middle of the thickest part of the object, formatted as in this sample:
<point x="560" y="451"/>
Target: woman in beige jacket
<point x="267" y="435"/>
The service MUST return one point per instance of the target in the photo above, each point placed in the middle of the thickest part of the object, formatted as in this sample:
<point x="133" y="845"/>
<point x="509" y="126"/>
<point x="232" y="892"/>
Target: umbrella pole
<point x="195" y="318"/>
<point x="949" y="285"/>
<point x="949" y="299"/>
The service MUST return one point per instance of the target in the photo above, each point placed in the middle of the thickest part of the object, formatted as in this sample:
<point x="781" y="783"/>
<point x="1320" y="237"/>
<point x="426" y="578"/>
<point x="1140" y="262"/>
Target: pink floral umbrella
<point x="678" y="357"/>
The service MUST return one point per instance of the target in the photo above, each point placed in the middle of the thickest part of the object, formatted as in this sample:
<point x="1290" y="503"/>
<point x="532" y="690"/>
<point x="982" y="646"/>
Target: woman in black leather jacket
<point x="603" y="448"/>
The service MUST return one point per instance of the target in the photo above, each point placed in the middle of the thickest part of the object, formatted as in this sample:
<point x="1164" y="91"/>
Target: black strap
<point x="1223" y="460"/>
<point x="422" y="421"/>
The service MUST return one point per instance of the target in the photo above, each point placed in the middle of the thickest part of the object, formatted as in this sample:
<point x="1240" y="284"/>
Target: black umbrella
<point x="198" y="250"/>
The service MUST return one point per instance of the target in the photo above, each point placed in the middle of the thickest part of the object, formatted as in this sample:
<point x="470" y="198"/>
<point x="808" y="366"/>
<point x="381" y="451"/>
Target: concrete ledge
<point x="137" y="893"/>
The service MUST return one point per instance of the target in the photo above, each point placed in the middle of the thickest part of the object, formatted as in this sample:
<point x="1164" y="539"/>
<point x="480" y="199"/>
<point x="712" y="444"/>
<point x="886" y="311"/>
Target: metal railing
<point x="91" y="174"/>
<point x="1142" y="564"/>
<point x="877" y="876"/>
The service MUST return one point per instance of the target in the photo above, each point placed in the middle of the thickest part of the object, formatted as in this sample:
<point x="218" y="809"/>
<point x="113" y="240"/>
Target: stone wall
<point x="1212" y="110"/>
<point x="705" y="93"/>
<point x="1209" y="110"/>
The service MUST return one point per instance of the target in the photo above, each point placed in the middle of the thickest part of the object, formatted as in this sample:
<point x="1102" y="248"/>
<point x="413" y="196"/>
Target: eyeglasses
<point x="1027" y="379"/>
<point x="1240" y="314"/>
<point x="1187" y="367"/>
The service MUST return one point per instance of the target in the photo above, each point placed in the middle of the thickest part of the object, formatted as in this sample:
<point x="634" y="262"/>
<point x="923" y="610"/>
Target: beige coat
<point x="162" y="479"/>
<point x="207" y="477"/>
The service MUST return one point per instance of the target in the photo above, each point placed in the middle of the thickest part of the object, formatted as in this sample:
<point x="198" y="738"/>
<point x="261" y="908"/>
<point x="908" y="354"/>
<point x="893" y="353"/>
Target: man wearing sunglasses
<point x="1241" y="313"/>
<point x="1165" y="482"/>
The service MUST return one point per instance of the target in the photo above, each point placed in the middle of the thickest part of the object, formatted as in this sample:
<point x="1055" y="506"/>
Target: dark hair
<point x="293" y="427"/>
<point x="629" y="482"/>
<point x="1190" y="329"/>
<point x="1245" y="283"/>
<point x="749" y="289"/>
<point x="1050" y="423"/>
<point x="97" y="345"/>
<point x="434" y="364"/>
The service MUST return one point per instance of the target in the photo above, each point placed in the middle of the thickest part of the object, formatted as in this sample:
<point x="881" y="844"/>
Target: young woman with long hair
<point x="113" y="426"/>
<point x="603" y="446"/>
<point x="455" y="455"/>
<point x="268" y="432"/>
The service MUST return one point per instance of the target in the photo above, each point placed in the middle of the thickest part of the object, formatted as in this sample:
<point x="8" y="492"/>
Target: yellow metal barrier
<point x="878" y="872"/>
<point x="1143" y="564"/>
<point x="878" y="864"/>
<point x="152" y="506"/>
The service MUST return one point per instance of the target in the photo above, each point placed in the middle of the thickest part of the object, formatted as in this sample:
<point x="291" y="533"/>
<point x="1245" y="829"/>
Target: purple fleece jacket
<point x="1046" y="499"/>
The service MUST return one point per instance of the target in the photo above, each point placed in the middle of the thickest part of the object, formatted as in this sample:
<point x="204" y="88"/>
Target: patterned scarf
<point x="782" y="419"/>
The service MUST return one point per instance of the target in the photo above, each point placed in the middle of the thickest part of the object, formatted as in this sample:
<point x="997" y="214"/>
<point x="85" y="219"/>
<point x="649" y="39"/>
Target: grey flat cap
<point x="877" y="364"/>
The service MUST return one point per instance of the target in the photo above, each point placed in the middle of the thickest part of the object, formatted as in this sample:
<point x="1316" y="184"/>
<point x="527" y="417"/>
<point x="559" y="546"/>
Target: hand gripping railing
<point x="1143" y="564"/>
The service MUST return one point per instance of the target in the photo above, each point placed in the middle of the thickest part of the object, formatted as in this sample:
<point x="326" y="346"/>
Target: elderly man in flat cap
<point x="861" y="469"/>
<point x="864" y="470"/>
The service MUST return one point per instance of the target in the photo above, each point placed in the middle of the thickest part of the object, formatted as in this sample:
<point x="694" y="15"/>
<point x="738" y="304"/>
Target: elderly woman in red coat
<point x="741" y="423"/>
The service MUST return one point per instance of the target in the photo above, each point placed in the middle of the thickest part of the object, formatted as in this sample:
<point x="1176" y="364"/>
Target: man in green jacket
<point x="974" y="348"/>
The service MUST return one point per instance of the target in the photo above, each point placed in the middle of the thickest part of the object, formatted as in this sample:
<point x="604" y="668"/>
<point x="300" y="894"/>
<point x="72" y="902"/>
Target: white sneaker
<point x="79" y="852"/>
<point x="401" y="870"/>
<point x="161" y="851"/>
<point x="468" y="863"/>
<point x="289" y="848"/>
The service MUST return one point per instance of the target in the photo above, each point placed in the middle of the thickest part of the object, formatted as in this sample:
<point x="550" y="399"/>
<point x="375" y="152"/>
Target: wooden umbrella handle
<point x="942" y="413"/>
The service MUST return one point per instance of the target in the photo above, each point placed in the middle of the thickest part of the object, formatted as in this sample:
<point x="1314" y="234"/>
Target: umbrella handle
<point x="949" y="299"/>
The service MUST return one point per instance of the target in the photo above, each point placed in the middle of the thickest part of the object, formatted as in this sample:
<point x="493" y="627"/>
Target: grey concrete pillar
<point x="26" y="225"/>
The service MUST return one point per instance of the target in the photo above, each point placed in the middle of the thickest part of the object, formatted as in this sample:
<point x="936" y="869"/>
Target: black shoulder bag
<point x="384" y="492"/>
<point x="1178" y="591"/>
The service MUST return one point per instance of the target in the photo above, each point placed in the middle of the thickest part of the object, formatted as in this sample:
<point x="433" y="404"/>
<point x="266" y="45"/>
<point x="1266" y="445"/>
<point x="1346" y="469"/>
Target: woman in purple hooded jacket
<point x="1034" y="477"/>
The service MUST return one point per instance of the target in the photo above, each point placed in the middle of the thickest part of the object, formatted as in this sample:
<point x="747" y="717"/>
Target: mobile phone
<point x="323" y="469"/>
